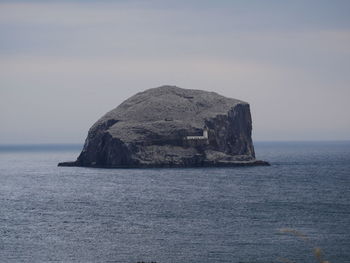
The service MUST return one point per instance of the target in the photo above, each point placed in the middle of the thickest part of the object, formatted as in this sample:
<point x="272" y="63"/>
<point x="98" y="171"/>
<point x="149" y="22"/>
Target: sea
<point x="295" y="210"/>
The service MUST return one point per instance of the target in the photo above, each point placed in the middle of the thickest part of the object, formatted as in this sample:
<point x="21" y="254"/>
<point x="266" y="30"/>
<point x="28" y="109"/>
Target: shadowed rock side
<point x="171" y="127"/>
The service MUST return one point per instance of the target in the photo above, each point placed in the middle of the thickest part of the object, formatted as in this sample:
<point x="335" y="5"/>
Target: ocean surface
<point x="68" y="214"/>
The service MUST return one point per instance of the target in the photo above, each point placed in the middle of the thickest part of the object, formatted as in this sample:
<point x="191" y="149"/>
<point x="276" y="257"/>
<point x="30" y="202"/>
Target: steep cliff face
<point x="151" y="129"/>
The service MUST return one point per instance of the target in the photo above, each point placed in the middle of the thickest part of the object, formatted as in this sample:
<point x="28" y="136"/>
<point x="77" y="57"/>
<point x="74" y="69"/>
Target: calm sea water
<point x="63" y="214"/>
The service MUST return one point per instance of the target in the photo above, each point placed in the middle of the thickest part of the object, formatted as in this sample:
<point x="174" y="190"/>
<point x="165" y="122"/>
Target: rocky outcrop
<point x="156" y="128"/>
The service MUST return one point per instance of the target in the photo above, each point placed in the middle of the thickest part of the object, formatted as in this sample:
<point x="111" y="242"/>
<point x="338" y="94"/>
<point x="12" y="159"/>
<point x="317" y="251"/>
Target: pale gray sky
<point x="63" y="64"/>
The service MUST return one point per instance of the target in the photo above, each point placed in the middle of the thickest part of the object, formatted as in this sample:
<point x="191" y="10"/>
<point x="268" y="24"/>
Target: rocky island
<point x="171" y="127"/>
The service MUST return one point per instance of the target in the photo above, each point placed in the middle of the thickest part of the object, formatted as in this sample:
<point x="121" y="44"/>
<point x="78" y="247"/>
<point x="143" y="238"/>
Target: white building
<point x="203" y="137"/>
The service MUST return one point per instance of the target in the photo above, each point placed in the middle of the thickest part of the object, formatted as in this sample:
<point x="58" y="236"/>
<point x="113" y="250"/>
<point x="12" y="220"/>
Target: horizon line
<point x="81" y="144"/>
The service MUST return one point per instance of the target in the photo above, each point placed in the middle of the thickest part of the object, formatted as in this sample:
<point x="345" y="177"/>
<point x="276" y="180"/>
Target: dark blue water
<point x="64" y="214"/>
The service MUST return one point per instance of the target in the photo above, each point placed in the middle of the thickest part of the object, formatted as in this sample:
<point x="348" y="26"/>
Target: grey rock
<point x="150" y="129"/>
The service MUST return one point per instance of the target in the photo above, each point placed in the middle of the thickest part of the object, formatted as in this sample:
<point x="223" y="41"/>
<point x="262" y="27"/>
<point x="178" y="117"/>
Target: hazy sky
<point x="63" y="64"/>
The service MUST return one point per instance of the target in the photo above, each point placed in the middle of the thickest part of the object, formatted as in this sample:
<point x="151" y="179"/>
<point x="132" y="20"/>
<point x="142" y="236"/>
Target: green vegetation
<point x="318" y="253"/>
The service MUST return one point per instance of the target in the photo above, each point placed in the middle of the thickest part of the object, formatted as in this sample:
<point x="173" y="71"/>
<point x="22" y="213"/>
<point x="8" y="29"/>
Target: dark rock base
<point x="141" y="166"/>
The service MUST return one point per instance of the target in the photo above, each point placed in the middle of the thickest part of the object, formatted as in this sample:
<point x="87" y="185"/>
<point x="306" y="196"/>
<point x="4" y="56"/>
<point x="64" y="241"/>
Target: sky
<point x="63" y="64"/>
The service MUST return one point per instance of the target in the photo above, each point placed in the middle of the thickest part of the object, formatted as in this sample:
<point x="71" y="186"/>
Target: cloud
<point x="63" y="64"/>
<point x="58" y="14"/>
